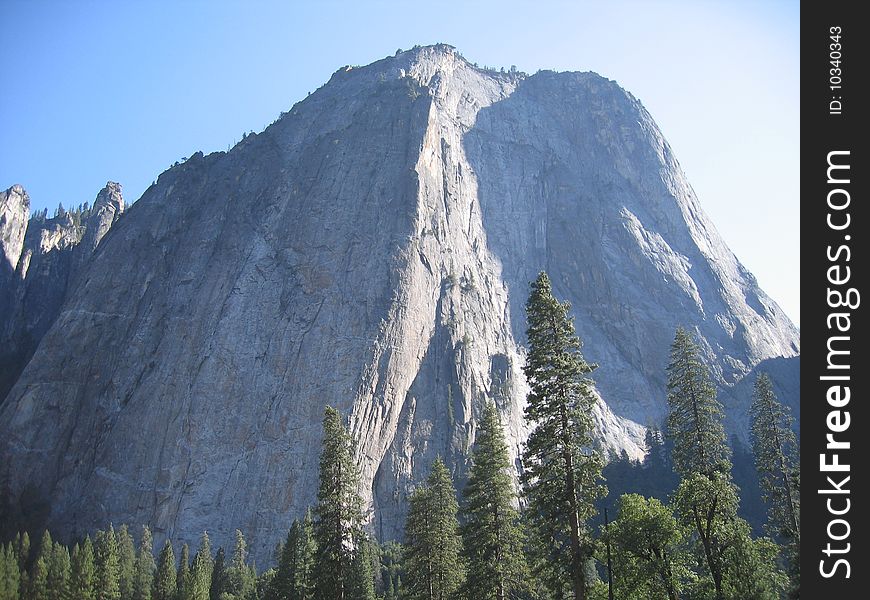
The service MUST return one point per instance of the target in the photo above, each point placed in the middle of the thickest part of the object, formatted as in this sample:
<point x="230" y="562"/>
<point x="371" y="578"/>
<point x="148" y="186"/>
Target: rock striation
<point x="371" y="249"/>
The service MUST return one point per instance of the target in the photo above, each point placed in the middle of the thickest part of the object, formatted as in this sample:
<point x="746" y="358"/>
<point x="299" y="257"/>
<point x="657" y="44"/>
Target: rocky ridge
<point x="372" y="250"/>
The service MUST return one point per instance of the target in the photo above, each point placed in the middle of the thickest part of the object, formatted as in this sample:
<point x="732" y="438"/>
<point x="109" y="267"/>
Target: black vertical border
<point x="821" y="133"/>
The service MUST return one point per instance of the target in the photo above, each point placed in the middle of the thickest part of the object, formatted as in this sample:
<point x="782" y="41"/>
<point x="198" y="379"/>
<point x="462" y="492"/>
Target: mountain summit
<point x="372" y="249"/>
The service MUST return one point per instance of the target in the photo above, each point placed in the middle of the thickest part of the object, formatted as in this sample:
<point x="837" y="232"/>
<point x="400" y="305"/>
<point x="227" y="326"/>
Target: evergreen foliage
<point x="433" y="560"/>
<point x="293" y="578"/>
<point x="775" y="449"/>
<point x="126" y="562"/>
<point x="83" y="580"/>
<point x="492" y="539"/>
<point x="145" y="567"/>
<point x="165" y="586"/>
<point x="695" y="418"/>
<point x="108" y="582"/>
<point x="562" y="471"/>
<point x="338" y="514"/>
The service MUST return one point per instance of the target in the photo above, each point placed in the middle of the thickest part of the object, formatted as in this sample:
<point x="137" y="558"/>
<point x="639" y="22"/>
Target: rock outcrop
<point x="372" y="250"/>
<point x="47" y="259"/>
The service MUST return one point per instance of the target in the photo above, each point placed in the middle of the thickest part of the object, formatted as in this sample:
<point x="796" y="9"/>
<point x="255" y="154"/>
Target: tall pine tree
<point x="145" y="567"/>
<point x="492" y="539"/>
<point x="108" y="585"/>
<point x="165" y="580"/>
<point x="338" y="514"/>
<point x="775" y="449"/>
<point x="695" y="417"/>
<point x="433" y="549"/>
<point x="294" y="578"/>
<point x="9" y="573"/>
<point x="218" y="575"/>
<point x="59" y="570"/>
<point x="83" y="579"/>
<point x="126" y="562"/>
<point x="182" y="575"/>
<point x="562" y="472"/>
<point x="201" y="571"/>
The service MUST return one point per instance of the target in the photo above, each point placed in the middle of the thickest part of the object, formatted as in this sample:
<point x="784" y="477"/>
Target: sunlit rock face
<point x="372" y="250"/>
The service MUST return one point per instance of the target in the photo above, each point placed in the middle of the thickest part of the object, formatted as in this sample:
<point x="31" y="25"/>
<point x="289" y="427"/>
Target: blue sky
<point x="96" y="91"/>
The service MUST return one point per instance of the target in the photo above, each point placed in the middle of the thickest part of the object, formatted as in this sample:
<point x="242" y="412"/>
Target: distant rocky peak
<point x="14" y="212"/>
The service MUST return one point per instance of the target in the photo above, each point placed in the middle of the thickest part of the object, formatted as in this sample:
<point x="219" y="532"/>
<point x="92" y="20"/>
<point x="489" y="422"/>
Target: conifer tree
<point x="126" y="562"/>
<point x="37" y="588"/>
<point x="165" y="580"/>
<point x="145" y="567"/>
<point x="83" y="579"/>
<point x="293" y="578"/>
<point x="492" y="539"/>
<point x="218" y="575"/>
<point x="433" y="549"/>
<point x="775" y="447"/>
<point x="706" y="498"/>
<point x="201" y="572"/>
<point x="338" y="514"/>
<point x="59" y="571"/>
<point x="695" y="417"/>
<point x="239" y="580"/>
<point x="108" y="573"/>
<point x="562" y="472"/>
<point x="165" y="585"/>
<point x="9" y="573"/>
<point x="23" y="545"/>
<point x="37" y="585"/>
<point x="182" y="575"/>
<point x="362" y="584"/>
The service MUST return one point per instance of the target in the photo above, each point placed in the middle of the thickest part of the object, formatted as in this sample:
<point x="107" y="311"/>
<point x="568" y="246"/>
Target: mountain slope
<point x="372" y="250"/>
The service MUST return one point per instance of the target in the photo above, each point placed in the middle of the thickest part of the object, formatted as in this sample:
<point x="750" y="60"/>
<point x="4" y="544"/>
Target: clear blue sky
<point x="97" y="90"/>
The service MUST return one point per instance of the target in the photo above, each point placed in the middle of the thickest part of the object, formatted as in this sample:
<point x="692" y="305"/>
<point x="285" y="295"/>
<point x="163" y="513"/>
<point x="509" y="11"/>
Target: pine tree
<point x="433" y="549"/>
<point x="23" y="545"/>
<point x="126" y="562"/>
<point x="562" y="472"/>
<point x="83" y="579"/>
<point x="145" y="567"/>
<point x="108" y="570"/>
<point x="648" y="549"/>
<point x="293" y="578"/>
<point x="218" y="576"/>
<point x="775" y="447"/>
<point x="59" y="571"/>
<point x="706" y="499"/>
<point x="201" y="572"/>
<point x="165" y="584"/>
<point x="362" y="582"/>
<point x="182" y="576"/>
<point x="338" y="514"/>
<point x="9" y="573"/>
<point x="695" y="417"/>
<point x="492" y="539"/>
<point x="37" y="588"/>
<point x="239" y="582"/>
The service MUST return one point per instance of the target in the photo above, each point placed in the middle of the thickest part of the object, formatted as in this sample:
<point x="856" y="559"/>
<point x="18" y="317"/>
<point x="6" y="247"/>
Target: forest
<point x="531" y="535"/>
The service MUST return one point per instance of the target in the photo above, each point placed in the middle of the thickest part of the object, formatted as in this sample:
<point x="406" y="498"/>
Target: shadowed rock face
<point x="372" y="250"/>
<point x="44" y="257"/>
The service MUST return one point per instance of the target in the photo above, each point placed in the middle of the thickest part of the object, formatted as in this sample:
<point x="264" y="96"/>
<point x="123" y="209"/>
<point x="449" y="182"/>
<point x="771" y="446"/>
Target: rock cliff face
<point x="372" y="250"/>
<point x="49" y="256"/>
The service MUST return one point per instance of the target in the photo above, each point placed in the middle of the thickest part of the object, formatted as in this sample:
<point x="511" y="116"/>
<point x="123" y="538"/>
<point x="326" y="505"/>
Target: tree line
<point x="496" y="540"/>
